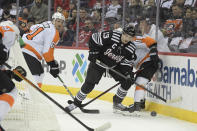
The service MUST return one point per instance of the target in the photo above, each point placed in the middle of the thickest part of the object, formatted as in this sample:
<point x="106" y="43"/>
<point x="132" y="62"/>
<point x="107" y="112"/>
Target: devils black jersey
<point x="111" y="50"/>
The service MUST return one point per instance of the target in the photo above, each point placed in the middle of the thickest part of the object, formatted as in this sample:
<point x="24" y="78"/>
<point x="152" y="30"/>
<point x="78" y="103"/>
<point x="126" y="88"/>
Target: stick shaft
<point x="83" y="105"/>
<point x="123" y="76"/>
<point x="47" y="96"/>
<point x="66" y="88"/>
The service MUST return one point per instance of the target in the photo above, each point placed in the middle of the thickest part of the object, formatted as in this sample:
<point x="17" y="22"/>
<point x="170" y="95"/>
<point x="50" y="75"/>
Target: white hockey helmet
<point x="11" y="24"/>
<point x="58" y="15"/>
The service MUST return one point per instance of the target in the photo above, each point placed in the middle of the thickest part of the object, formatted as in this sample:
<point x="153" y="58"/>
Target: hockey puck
<point x="153" y="113"/>
<point x="70" y="101"/>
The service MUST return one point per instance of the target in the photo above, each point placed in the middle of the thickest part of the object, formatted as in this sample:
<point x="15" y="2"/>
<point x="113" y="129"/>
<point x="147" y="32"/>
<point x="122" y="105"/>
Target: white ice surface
<point x="118" y="121"/>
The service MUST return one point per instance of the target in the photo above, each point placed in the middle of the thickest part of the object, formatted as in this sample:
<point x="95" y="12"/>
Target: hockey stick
<point x="85" y="104"/>
<point x="93" y="111"/>
<point x="123" y="76"/>
<point x="101" y="128"/>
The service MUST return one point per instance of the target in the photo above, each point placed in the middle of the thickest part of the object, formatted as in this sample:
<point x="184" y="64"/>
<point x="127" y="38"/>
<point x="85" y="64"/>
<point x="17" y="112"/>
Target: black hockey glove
<point x="130" y="77"/>
<point x="154" y="55"/>
<point x="3" y="54"/>
<point x="93" y="55"/>
<point x="54" y="68"/>
<point x="22" y="71"/>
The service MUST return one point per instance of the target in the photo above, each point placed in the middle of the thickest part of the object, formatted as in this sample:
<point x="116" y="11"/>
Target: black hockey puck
<point x="70" y="101"/>
<point x="153" y="113"/>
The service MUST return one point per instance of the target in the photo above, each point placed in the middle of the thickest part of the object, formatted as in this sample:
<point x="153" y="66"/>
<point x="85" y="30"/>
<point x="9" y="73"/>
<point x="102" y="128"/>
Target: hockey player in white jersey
<point x="8" y="91"/>
<point x="39" y="44"/>
<point x="148" y="61"/>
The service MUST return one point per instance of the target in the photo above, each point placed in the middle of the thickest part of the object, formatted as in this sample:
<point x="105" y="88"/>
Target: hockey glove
<point x="22" y="71"/>
<point x="93" y="55"/>
<point x="130" y="76"/>
<point x="54" y="68"/>
<point x="154" y="55"/>
<point x="3" y="54"/>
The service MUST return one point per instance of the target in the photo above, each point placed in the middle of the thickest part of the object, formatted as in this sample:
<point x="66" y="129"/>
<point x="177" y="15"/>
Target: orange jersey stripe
<point x="4" y="29"/>
<point x="48" y="56"/>
<point x="7" y="98"/>
<point x="147" y="40"/>
<point x="138" y="88"/>
<point x="143" y="60"/>
<point x="30" y="48"/>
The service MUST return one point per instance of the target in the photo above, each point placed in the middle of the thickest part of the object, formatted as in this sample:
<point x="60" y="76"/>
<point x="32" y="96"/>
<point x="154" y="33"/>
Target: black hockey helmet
<point x="129" y="29"/>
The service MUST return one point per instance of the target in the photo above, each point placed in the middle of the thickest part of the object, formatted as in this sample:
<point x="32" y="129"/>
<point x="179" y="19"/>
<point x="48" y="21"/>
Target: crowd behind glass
<point x="177" y="25"/>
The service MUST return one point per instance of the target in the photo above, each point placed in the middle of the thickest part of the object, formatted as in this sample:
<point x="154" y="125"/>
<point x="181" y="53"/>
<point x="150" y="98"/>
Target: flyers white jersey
<point x="8" y="36"/>
<point x="143" y="45"/>
<point x="40" y="41"/>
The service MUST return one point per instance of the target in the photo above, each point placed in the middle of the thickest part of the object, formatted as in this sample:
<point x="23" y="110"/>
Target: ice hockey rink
<point x="118" y="122"/>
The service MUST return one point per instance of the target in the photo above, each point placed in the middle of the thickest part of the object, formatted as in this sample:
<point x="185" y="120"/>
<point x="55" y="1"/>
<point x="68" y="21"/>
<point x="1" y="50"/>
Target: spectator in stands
<point x="82" y="17"/>
<point x="72" y="6"/>
<point x="194" y="18"/>
<point x="165" y="10"/>
<point x="173" y="26"/>
<point x="67" y="36"/>
<point x="97" y="20"/>
<point x="72" y="19"/>
<point x="39" y="11"/>
<point x="190" y="2"/>
<point x="85" y="33"/>
<point x="179" y="2"/>
<point x="64" y="4"/>
<point x="187" y="30"/>
<point x="112" y="11"/>
<point x="147" y="28"/>
<point x="134" y="11"/>
<point x="64" y="12"/>
<point x="150" y="10"/>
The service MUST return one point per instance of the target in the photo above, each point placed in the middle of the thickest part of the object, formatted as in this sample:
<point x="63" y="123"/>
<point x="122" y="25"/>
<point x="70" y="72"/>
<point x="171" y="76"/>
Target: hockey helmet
<point x="11" y="24"/>
<point x="58" y="15"/>
<point x="129" y="29"/>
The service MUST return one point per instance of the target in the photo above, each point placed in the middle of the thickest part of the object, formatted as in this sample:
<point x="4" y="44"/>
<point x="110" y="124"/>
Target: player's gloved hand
<point x="130" y="77"/>
<point x="20" y="70"/>
<point x="3" y="53"/>
<point x="54" y="68"/>
<point x="155" y="60"/>
<point x="93" y="55"/>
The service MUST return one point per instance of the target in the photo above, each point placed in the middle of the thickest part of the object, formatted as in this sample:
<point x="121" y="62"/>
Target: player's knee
<point x="87" y="87"/>
<point x="142" y="81"/>
<point x="126" y="84"/>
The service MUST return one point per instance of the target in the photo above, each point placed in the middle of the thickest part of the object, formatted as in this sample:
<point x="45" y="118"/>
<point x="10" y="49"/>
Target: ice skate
<point x="133" y="110"/>
<point x="118" y="108"/>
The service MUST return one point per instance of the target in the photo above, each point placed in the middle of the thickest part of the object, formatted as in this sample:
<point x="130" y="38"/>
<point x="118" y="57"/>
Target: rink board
<point x="177" y="77"/>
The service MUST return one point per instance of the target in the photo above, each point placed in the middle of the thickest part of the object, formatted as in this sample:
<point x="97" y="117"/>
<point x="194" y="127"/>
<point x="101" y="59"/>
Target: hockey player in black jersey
<point x="116" y="50"/>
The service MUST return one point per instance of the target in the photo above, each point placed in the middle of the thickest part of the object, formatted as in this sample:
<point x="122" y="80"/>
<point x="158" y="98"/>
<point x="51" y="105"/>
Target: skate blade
<point x="116" y="111"/>
<point x="133" y="114"/>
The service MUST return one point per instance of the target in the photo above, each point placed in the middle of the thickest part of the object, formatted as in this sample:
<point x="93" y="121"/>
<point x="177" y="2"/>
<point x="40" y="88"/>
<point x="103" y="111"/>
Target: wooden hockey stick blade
<point x="103" y="127"/>
<point x="52" y="100"/>
<point x="178" y="99"/>
<point x="91" y="111"/>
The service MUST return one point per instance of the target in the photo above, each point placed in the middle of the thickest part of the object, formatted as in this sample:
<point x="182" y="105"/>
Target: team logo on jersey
<point x="79" y="68"/>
